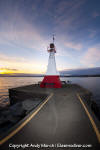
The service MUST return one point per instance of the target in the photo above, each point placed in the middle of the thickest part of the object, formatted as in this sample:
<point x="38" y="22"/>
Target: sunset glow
<point x="2" y="71"/>
<point x="5" y="71"/>
<point x="26" y="30"/>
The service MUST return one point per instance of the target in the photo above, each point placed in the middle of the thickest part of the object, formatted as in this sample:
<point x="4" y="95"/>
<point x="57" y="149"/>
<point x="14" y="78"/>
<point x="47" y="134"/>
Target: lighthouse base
<point x="51" y="82"/>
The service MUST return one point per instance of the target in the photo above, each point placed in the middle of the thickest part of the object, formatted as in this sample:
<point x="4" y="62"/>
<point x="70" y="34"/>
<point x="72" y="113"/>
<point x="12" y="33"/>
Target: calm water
<point x="91" y="83"/>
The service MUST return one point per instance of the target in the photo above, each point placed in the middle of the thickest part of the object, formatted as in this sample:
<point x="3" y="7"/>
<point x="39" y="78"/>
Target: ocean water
<point x="11" y="82"/>
<point x="91" y="83"/>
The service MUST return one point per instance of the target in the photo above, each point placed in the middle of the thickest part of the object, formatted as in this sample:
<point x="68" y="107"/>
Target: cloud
<point x="92" y="33"/>
<point x="18" y="32"/>
<point x="95" y="14"/>
<point x="9" y="69"/>
<point x="69" y="15"/>
<point x="73" y="45"/>
<point x="6" y="58"/>
<point x="25" y="28"/>
<point x="28" y="37"/>
<point x="12" y="62"/>
<point x="21" y="64"/>
<point x="91" y="57"/>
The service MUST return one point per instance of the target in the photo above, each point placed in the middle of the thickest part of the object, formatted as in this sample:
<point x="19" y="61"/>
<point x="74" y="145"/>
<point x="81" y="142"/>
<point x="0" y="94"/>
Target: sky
<point x="27" y="26"/>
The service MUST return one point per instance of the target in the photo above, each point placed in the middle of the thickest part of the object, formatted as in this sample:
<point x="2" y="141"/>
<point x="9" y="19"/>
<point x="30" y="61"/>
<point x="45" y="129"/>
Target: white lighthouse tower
<point x="51" y="79"/>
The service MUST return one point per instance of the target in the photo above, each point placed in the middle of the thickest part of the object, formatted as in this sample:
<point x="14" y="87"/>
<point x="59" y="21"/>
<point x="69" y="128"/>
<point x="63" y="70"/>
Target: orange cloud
<point x="8" y="71"/>
<point x="20" y="65"/>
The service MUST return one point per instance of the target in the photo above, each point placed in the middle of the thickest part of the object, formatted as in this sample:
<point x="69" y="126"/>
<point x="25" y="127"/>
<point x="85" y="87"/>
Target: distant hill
<point x="85" y="71"/>
<point x="70" y="72"/>
<point x="21" y="75"/>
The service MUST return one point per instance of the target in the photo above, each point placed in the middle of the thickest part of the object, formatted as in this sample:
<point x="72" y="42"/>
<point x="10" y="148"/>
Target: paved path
<point x="61" y="120"/>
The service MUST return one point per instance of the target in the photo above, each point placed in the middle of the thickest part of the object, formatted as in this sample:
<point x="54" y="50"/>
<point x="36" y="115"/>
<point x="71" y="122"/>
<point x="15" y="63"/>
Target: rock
<point x="6" y="99"/>
<point x="8" y="116"/>
<point x="17" y="110"/>
<point x="95" y="108"/>
<point x="12" y="118"/>
<point x="15" y="106"/>
<point x="5" y="112"/>
<point x="2" y="119"/>
<point x="12" y="114"/>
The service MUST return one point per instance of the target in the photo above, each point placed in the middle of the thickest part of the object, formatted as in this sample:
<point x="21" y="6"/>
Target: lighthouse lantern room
<point x="51" y="78"/>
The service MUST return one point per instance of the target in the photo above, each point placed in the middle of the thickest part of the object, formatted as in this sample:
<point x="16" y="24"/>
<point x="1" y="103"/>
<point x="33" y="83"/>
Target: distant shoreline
<point x="60" y="76"/>
<point x="80" y="76"/>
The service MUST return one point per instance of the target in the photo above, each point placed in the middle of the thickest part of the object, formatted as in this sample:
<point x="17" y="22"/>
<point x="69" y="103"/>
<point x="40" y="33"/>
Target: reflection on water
<point x="11" y="82"/>
<point x="91" y="83"/>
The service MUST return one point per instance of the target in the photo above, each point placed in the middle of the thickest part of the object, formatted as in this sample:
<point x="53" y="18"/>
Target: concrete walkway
<point x="61" y="120"/>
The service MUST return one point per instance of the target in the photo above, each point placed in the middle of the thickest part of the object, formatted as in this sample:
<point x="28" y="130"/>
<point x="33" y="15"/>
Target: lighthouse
<point x="51" y="78"/>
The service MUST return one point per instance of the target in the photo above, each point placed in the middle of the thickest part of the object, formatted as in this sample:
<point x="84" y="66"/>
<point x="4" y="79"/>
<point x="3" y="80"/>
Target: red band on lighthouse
<point x="51" y="79"/>
<point x="51" y="82"/>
